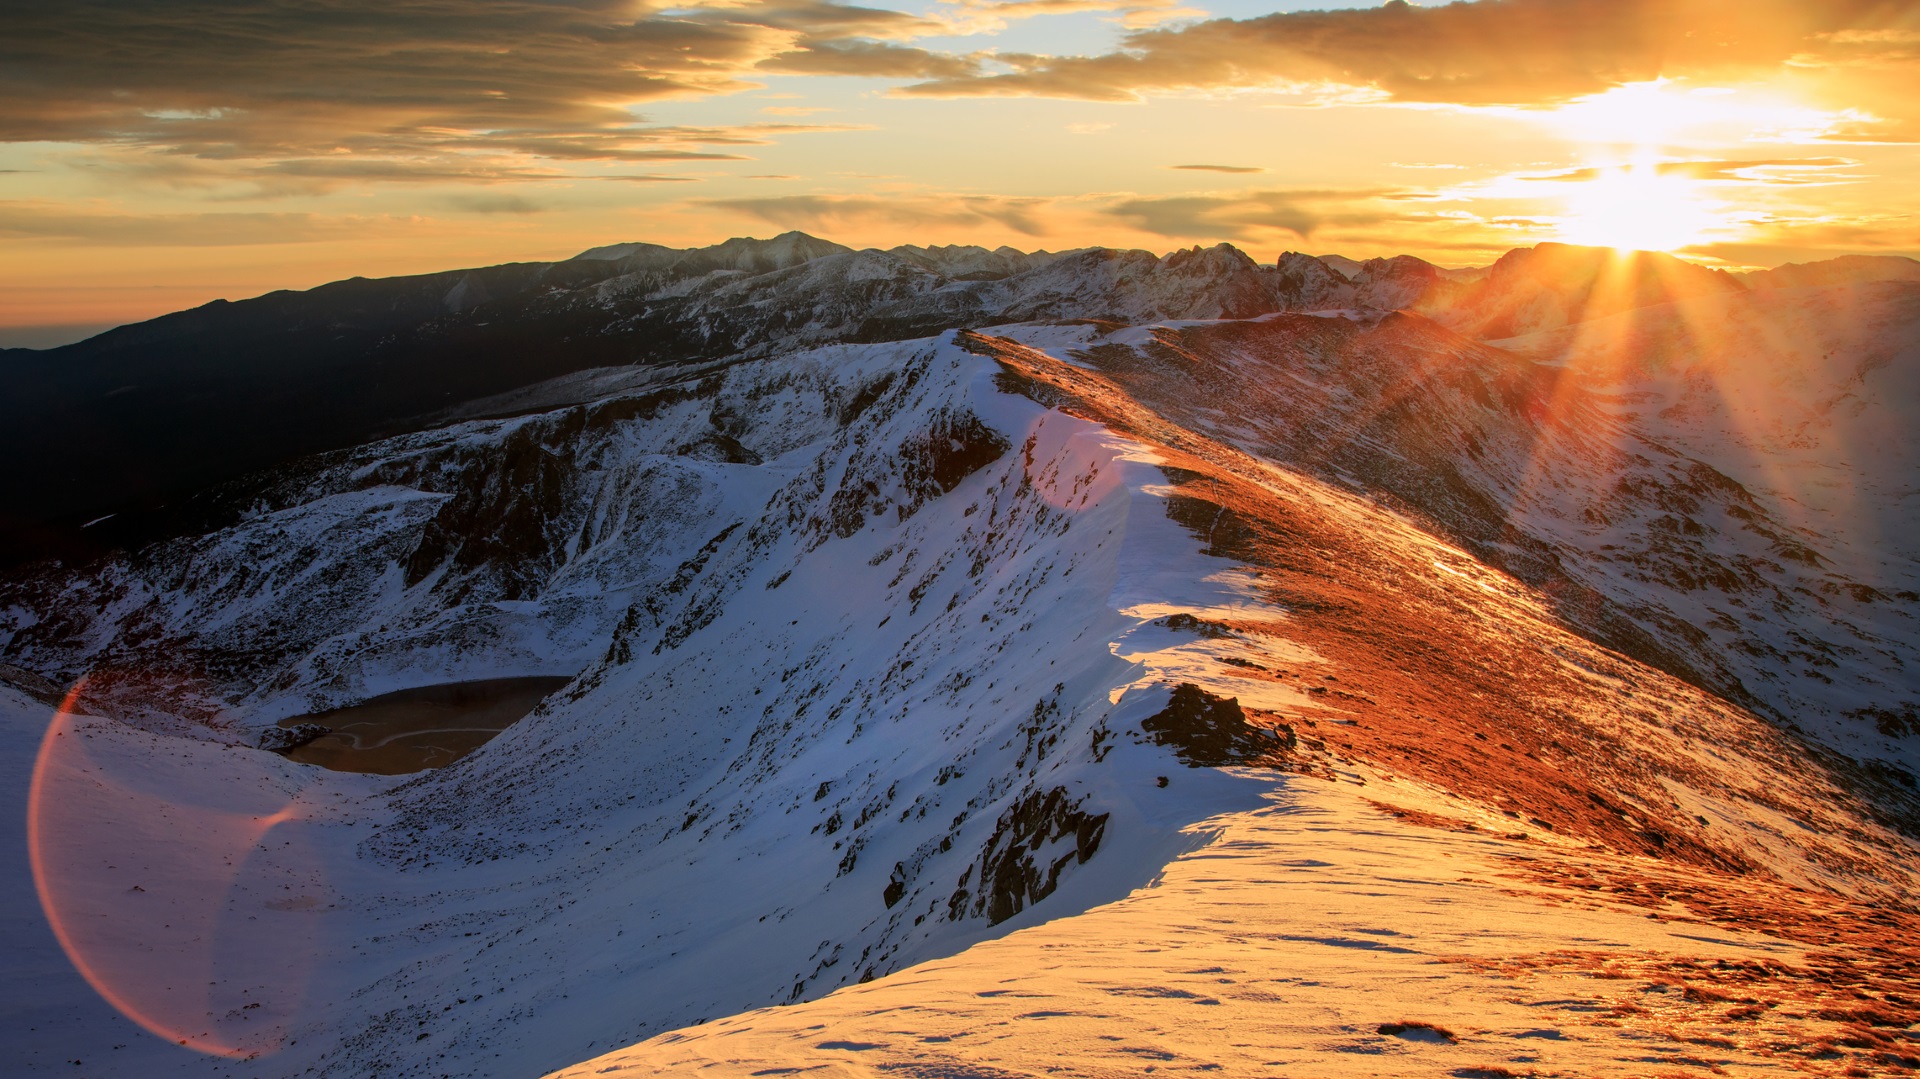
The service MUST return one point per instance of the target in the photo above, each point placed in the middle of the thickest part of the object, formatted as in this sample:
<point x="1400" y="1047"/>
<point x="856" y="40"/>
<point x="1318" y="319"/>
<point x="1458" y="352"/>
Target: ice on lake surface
<point x="411" y="730"/>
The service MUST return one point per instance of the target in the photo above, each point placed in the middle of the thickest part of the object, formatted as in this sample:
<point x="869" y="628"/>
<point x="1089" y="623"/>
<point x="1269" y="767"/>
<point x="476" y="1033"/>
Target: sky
<point x="157" y="154"/>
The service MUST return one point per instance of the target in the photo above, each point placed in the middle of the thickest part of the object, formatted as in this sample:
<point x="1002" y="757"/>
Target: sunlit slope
<point x="1806" y="394"/>
<point x="1666" y="534"/>
<point x="1323" y="935"/>
<point x="1806" y="400"/>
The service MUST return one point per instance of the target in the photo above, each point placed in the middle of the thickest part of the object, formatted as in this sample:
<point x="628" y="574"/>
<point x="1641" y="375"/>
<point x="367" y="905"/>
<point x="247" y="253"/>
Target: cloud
<point x="495" y="204"/>
<point x="1518" y="52"/>
<point x="1218" y="168"/>
<point x="874" y="59"/>
<point x="1247" y="214"/>
<point x="253" y="178"/>
<point x="1818" y="238"/>
<point x="988" y="16"/>
<point x="409" y="87"/>
<point x="1788" y="171"/>
<point x="825" y="213"/>
<point x="431" y="159"/>
<point x="40" y="220"/>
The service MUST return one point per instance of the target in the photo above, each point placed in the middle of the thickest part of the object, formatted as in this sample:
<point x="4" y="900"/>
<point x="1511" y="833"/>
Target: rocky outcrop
<point x="1032" y="843"/>
<point x="1208" y="731"/>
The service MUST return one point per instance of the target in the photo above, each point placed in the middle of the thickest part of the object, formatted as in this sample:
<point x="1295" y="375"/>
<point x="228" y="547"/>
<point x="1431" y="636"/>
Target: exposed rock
<point x="1208" y="731"/>
<point x="1183" y="622"/>
<point x="1032" y="843"/>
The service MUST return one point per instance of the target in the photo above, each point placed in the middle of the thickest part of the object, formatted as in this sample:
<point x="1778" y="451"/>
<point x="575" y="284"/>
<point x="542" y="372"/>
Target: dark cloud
<point x="1217" y="168"/>
<point x="1521" y="52"/>
<point x="1246" y="214"/>
<point x="311" y="176"/>
<point x="875" y="59"/>
<point x="495" y="204"/>
<point x="281" y="77"/>
<point x="824" y="213"/>
<point x="326" y="174"/>
<point x="399" y="79"/>
<point x="627" y="146"/>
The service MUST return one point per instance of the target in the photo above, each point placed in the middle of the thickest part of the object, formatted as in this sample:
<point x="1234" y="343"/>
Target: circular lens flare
<point x="151" y="870"/>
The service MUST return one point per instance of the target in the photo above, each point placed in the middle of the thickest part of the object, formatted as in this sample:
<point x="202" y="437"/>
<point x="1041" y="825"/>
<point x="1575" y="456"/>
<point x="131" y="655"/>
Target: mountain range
<point x="135" y="421"/>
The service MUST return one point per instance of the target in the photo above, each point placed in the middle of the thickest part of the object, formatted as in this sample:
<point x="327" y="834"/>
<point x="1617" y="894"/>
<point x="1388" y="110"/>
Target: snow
<point x="1803" y="398"/>
<point x="1279" y="945"/>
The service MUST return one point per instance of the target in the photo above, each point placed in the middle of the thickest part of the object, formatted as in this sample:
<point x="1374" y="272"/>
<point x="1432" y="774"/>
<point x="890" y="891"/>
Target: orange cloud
<point x="43" y="220"/>
<point x="1524" y="52"/>
<point x="827" y="213"/>
<point x="1241" y="215"/>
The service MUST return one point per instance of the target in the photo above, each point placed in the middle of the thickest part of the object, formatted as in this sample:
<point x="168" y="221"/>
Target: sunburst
<point x="1639" y="207"/>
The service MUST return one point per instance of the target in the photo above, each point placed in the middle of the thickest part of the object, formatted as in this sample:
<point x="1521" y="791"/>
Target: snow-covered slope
<point x="1803" y="401"/>
<point x="1320" y="935"/>
<point x="886" y="648"/>
<point x="881" y="678"/>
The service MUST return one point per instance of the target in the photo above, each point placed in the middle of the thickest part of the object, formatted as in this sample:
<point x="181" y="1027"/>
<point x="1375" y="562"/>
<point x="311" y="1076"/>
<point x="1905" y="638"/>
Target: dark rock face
<point x="1022" y="862"/>
<point x="923" y="466"/>
<point x="514" y="515"/>
<point x="1209" y="731"/>
<point x="954" y="447"/>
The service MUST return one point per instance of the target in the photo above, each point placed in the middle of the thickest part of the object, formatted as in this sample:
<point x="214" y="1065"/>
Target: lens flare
<point x="154" y="876"/>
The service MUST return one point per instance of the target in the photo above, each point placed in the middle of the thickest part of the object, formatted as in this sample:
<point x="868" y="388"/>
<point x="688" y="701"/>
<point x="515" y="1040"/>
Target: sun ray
<point x="1638" y="207"/>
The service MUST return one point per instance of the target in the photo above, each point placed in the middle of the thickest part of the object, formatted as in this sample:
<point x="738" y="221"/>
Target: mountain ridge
<point x="361" y="358"/>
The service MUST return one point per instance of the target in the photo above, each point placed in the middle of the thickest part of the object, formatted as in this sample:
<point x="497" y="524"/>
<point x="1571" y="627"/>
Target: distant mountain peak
<point x="1845" y="270"/>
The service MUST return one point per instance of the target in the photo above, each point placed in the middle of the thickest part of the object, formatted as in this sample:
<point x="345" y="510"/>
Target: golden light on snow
<point x="1638" y="207"/>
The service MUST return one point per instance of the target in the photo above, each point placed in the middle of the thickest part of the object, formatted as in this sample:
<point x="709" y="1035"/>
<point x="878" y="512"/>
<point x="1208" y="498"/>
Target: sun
<point x="1638" y="207"/>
